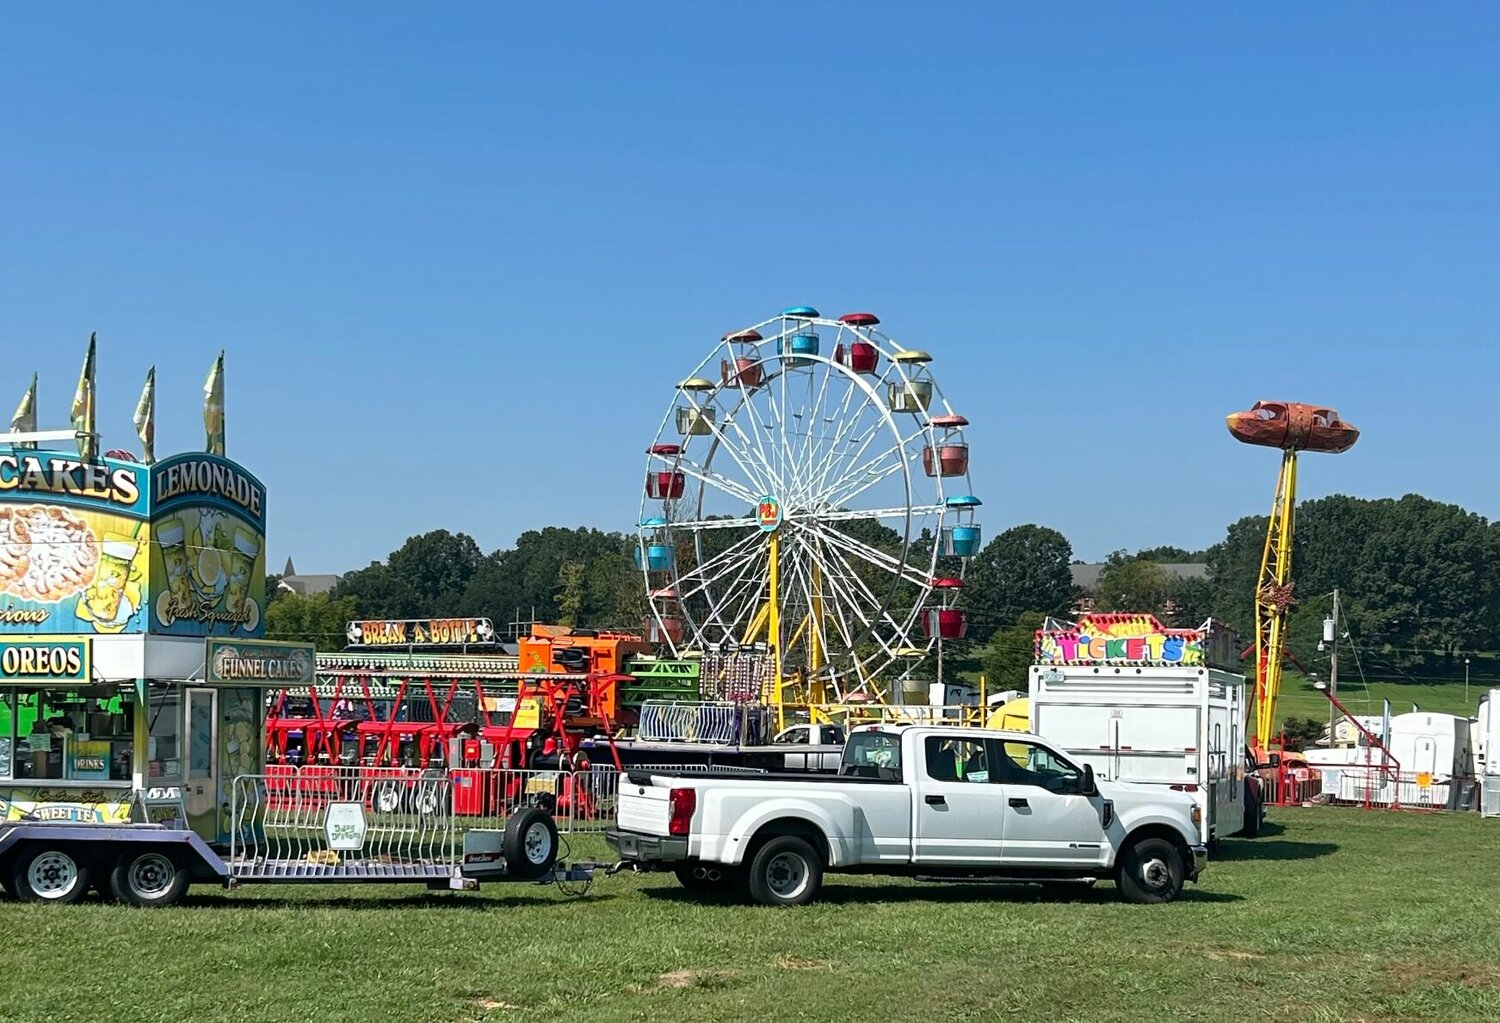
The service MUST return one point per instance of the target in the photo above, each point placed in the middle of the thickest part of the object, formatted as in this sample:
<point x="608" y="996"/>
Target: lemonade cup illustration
<point x="108" y="589"/>
<point x="172" y="535"/>
<point x="241" y="559"/>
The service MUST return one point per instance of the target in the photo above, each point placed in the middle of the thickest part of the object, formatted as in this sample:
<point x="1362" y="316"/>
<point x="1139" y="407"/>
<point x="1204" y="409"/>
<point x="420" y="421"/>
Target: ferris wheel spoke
<point x="747" y="402"/>
<point x="854" y="464"/>
<point x="857" y="514"/>
<point x="741" y="597"/>
<point x="812" y="430"/>
<point x="722" y="443"/>
<point x="874" y="556"/>
<point x="873" y="478"/>
<point x="873" y="470"/>
<point x="742" y="548"/>
<point x="853" y="594"/>
<point x="825" y="456"/>
<point x="718" y="481"/>
<point x="726" y="522"/>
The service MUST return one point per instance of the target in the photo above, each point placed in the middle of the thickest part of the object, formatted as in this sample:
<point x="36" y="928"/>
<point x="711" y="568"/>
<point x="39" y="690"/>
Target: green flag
<point x="24" y="421"/>
<point x="145" y="418"/>
<point x="213" y="407"/>
<point x="83" y="406"/>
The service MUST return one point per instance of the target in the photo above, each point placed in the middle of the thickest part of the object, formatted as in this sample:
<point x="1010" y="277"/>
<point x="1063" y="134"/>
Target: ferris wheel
<point x="807" y="496"/>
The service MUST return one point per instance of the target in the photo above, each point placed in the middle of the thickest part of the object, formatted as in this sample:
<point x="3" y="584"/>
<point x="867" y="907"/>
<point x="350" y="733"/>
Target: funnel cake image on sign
<point x="115" y="594"/>
<point x="46" y="553"/>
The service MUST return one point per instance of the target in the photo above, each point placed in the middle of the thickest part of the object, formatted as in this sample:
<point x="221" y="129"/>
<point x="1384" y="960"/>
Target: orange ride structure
<point x="1293" y="428"/>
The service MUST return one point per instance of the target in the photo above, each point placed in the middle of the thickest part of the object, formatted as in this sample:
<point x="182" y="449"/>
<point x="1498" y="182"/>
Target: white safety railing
<point x="343" y="824"/>
<point x="367" y="823"/>
<point x="720" y="724"/>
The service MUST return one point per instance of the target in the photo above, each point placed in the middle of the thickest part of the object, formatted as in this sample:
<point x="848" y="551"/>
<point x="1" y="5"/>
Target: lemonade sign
<point x="209" y="560"/>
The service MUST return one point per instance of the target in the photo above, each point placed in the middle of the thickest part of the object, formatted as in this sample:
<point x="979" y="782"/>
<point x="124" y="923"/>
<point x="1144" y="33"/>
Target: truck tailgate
<point x="642" y="808"/>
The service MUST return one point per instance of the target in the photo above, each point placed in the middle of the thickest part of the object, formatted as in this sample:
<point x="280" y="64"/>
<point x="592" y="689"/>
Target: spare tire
<point x="529" y="844"/>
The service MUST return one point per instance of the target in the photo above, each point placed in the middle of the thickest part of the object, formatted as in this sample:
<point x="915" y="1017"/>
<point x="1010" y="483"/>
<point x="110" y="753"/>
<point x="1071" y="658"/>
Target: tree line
<point x="1419" y="582"/>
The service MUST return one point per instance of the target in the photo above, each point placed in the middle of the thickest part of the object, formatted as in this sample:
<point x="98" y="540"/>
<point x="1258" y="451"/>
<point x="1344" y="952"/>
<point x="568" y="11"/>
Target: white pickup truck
<point x="914" y="800"/>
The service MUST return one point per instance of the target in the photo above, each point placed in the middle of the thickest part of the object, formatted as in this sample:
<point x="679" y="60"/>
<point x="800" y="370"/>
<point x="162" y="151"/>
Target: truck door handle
<point x="1019" y="803"/>
<point x="936" y="801"/>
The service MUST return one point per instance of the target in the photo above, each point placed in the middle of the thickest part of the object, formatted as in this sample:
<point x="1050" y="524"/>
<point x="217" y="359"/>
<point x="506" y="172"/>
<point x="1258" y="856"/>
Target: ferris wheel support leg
<point x="774" y="623"/>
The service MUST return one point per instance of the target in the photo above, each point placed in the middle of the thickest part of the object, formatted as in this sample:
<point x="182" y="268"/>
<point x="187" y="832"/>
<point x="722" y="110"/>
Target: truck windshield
<point x="872" y="755"/>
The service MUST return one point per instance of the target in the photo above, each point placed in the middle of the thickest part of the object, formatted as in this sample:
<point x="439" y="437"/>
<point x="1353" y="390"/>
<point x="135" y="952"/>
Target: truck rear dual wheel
<point x="785" y="871"/>
<point x="1151" y="871"/>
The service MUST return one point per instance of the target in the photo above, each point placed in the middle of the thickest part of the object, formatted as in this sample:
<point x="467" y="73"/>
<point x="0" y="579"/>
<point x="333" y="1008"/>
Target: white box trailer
<point x="1147" y="707"/>
<point x="1433" y="765"/>
<point x="1178" y="727"/>
<point x="1487" y="753"/>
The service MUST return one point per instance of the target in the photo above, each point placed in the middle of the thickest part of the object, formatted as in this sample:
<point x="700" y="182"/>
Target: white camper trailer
<point x="1487" y="753"/>
<point x="1140" y="702"/>
<point x="1436" y="765"/>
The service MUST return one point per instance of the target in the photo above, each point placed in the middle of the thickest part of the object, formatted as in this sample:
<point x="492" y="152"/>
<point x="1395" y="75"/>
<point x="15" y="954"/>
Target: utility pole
<point x="1466" y="685"/>
<point x="1331" y="635"/>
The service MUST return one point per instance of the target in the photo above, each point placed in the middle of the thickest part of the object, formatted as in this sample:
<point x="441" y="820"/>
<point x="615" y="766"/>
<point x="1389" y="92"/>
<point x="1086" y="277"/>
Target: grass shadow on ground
<point x="1273" y="849"/>
<point x="354" y="900"/>
<point x="944" y="893"/>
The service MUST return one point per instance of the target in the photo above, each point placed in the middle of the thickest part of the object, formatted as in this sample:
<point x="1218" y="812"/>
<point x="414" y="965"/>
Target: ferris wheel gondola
<point x="807" y="496"/>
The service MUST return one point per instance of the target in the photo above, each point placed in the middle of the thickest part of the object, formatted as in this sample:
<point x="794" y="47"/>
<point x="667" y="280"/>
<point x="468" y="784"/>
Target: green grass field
<point x="1338" y="915"/>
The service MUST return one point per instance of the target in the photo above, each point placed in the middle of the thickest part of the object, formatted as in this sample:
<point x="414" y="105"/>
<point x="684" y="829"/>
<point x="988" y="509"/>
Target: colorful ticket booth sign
<point x="74" y="543"/>
<point x="208" y="519"/>
<point x="259" y="662"/>
<point x="43" y="661"/>
<point x="1128" y="639"/>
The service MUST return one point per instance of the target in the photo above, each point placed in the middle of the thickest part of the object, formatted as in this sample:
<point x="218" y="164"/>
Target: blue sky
<point x="459" y="254"/>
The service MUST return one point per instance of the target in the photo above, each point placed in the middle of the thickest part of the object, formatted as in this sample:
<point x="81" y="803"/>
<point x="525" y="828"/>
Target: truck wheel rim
<point x="1155" y="873"/>
<point x="538" y="843"/>
<point x="53" y="875"/>
<point x="151" y="875"/>
<point x="786" y="875"/>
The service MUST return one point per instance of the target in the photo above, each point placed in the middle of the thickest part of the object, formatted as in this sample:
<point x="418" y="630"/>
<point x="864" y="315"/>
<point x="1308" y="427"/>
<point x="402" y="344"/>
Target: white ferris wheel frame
<point x="734" y="581"/>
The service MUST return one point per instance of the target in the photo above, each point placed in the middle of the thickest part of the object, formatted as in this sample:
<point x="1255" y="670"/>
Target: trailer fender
<point x="204" y="863"/>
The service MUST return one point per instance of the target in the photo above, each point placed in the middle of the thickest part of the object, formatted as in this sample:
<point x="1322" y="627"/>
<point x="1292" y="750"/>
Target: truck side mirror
<point x="1087" y="786"/>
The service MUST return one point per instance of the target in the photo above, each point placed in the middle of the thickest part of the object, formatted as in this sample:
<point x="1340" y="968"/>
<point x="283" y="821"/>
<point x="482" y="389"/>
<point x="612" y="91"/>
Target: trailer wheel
<point x="50" y="874"/>
<point x="388" y="797"/>
<point x="1151" y="871"/>
<point x="428" y="799"/>
<point x="529" y="844"/>
<point x="148" y="877"/>
<point x="786" y="871"/>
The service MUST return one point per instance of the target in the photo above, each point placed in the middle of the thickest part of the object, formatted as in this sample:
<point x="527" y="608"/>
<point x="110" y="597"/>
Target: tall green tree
<point x="318" y="619"/>
<point x="1008" y="656"/>
<point x="1132" y="584"/>
<point x="1026" y="568"/>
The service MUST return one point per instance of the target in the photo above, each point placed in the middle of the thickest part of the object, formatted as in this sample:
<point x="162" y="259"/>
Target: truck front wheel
<point x="1151" y="871"/>
<point x="148" y="877"/>
<point x="54" y="874"/>
<point x="785" y="871"/>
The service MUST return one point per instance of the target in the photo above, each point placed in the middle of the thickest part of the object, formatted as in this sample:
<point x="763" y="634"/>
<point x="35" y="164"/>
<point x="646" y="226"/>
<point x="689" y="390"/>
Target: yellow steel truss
<point x="1273" y="597"/>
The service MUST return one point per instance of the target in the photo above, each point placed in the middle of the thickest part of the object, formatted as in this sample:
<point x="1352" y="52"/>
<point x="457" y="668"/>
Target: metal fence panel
<point x="369" y="823"/>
